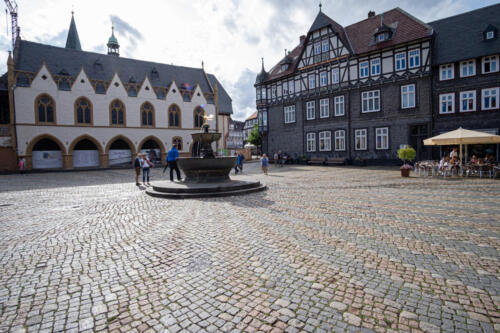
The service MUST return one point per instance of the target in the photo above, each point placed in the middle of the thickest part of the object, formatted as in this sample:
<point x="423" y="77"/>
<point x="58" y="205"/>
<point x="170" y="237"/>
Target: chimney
<point x="302" y="38"/>
<point x="371" y="13"/>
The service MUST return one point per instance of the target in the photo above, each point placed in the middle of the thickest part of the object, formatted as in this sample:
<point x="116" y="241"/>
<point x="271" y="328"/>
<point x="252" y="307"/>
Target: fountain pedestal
<point x="206" y="175"/>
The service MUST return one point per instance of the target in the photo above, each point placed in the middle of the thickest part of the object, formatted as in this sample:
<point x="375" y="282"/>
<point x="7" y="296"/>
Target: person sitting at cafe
<point x="454" y="153"/>
<point x="473" y="159"/>
<point x="443" y="163"/>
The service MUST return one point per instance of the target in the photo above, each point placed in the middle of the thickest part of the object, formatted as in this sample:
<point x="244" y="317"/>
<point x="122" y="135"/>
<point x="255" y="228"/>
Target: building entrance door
<point x="418" y="133"/>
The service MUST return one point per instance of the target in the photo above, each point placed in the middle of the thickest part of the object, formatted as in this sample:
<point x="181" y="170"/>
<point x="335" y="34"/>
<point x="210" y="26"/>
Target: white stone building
<point x="70" y="108"/>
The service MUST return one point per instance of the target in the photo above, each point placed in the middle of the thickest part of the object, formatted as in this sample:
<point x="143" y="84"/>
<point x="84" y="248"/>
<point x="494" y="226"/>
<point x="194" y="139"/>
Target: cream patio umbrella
<point x="461" y="137"/>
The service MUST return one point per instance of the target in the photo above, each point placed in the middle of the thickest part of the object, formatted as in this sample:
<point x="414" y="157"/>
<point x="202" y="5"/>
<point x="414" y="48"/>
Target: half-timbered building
<point x="71" y="108"/>
<point x="360" y="91"/>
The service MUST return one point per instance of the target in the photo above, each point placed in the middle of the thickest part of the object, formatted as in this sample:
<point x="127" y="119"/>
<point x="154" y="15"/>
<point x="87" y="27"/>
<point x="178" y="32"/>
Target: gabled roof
<point x="358" y="38"/>
<point x="73" y="41"/>
<point x="252" y="116"/>
<point x="461" y="36"/>
<point x="405" y="28"/>
<point x="29" y="56"/>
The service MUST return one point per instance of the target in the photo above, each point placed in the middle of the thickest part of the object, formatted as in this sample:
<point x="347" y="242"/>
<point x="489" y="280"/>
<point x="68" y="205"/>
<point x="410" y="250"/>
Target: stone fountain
<point x="205" y="174"/>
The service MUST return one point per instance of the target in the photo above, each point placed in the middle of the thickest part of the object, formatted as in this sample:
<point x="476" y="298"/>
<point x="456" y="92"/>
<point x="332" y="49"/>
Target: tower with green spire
<point x="113" y="46"/>
<point x="73" y="41"/>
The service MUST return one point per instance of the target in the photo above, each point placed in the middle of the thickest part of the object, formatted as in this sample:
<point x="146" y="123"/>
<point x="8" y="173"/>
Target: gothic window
<point x="199" y="116"/>
<point x="64" y="84"/>
<point x="45" y="109"/>
<point x="83" y="111"/>
<point x="117" y="113"/>
<point x="174" y="116"/>
<point x="100" y="88"/>
<point x="177" y="141"/>
<point x="147" y="114"/>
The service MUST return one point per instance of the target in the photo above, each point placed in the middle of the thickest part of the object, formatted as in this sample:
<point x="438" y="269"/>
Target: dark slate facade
<point x="349" y="53"/>
<point x="462" y="45"/>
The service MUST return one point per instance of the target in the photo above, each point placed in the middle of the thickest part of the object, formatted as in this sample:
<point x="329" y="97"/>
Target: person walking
<point x="146" y="168"/>
<point x="264" y="162"/>
<point x="275" y="158"/>
<point x="21" y="165"/>
<point x="137" y="166"/>
<point x="172" y="156"/>
<point x="242" y="158"/>
<point x="237" y="165"/>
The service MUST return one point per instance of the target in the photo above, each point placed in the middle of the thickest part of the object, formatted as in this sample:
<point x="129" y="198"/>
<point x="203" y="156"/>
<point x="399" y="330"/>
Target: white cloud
<point x="229" y="36"/>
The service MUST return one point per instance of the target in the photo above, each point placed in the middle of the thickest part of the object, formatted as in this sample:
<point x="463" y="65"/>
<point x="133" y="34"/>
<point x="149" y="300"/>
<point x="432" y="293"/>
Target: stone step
<point x="192" y="195"/>
<point x="180" y="187"/>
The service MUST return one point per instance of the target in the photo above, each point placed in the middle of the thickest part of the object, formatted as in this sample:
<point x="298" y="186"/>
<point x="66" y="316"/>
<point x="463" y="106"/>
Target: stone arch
<point x="120" y="137"/>
<point x="34" y="141"/>
<point x="153" y="138"/>
<point x="88" y="137"/>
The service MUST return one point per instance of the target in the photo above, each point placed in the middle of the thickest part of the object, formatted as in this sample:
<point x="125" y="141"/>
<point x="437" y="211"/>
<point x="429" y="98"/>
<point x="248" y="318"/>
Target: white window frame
<point x="317" y="48"/>
<point x="323" y="79"/>
<point x="414" y="58"/>
<point x="487" y="93"/>
<point x="323" y="43"/>
<point x="335" y="75"/>
<point x="382" y="132"/>
<point x="469" y="66"/>
<point x="340" y="140"/>
<point x="339" y="106"/>
<point x="490" y="34"/>
<point x="467" y="95"/>
<point x="375" y="67"/>
<point x="370" y="96"/>
<point x="361" y="134"/>
<point x="445" y="99"/>
<point x="446" y="72"/>
<point x="291" y="87"/>
<point x="284" y="88"/>
<point x="325" y="138"/>
<point x="400" y="61"/>
<point x="311" y="142"/>
<point x="381" y="37"/>
<point x="364" y="69"/>
<point x="310" y="110"/>
<point x="492" y="60"/>
<point x="408" y="96"/>
<point x="289" y="114"/>
<point x="273" y="92"/>
<point x="324" y="108"/>
<point x="312" y="81"/>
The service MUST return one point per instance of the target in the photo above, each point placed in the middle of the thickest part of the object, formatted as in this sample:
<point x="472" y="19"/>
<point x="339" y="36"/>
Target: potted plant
<point x="406" y="154"/>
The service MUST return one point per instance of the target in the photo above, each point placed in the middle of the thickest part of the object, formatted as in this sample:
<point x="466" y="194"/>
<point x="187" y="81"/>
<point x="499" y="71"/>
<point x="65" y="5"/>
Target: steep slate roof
<point x="460" y="37"/>
<point x="73" y="42"/>
<point x="29" y="56"/>
<point x="358" y="38"/>
<point x="407" y="28"/>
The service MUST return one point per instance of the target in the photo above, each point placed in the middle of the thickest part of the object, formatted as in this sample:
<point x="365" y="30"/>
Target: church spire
<point x="113" y="46"/>
<point x="73" y="42"/>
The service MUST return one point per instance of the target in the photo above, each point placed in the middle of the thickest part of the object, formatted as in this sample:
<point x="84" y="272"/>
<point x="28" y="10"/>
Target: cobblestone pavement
<point x="324" y="249"/>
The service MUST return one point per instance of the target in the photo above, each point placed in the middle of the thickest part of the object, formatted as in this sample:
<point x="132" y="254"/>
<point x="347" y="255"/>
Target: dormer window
<point x="382" y="37"/>
<point x="284" y="67"/>
<point x="490" y="34"/>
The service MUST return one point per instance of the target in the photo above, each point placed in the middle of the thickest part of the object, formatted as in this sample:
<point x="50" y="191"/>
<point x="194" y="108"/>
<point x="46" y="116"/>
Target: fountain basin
<point x="206" y="170"/>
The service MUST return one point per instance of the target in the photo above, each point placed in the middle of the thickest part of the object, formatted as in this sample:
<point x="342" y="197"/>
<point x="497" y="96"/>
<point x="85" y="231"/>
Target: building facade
<point x="235" y="138"/>
<point x="353" y="92"/>
<point x="466" y="77"/>
<point x="365" y="90"/>
<point x="70" y="108"/>
<point x="249" y="125"/>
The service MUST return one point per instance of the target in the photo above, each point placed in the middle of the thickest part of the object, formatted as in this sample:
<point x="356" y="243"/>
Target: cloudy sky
<point x="230" y="36"/>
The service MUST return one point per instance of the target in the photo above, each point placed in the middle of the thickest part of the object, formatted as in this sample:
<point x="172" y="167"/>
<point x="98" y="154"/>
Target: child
<point x="264" y="162"/>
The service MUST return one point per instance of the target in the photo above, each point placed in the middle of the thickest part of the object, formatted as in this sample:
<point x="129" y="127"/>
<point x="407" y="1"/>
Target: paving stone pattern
<point x="323" y="249"/>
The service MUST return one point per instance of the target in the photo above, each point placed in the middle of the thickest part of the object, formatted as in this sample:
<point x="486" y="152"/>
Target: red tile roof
<point x="359" y="37"/>
<point x="253" y="116"/>
<point x="407" y="28"/>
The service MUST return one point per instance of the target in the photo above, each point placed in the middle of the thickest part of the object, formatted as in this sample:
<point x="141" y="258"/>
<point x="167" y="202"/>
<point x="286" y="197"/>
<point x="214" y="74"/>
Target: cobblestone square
<point x="323" y="249"/>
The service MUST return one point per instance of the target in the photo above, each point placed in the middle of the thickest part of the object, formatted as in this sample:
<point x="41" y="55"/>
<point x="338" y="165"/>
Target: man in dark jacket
<point x="172" y="156"/>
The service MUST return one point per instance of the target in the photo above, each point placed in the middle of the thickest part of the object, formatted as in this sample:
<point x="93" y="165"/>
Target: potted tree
<point x="406" y="154"/>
